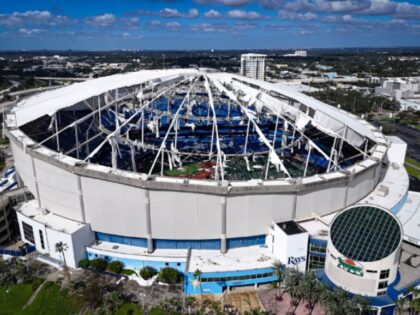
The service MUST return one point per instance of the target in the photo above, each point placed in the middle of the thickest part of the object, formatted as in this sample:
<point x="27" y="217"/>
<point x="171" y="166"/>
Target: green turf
<point x="13" y="298"/>
<point x="129" y="308"/>
<point x="188" y="169"/>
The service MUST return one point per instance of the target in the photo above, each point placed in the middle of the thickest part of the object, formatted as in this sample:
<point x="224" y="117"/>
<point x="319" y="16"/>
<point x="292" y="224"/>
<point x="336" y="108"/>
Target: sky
<point x="207" y="24"/>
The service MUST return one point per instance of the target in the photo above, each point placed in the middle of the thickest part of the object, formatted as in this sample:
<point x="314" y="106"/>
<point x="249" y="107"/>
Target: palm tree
<point x="293" y="278"/>
<point x="61" y="248"/>
<point x="197" y="276"/>
<point x="310" y="289"/>
<point x="362" y="303"/>
<point x="400" y="304"/>
<point x="278" y="268"/>
<point x="415" y="300"/>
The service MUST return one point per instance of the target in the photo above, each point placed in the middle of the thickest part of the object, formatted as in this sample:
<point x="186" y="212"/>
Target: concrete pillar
<point x="80" y="195"/>
<point x="294" y="205"/>
<point x="19" y="181"/>
<point x="148" y="221"/>
<point x="38" y="197"/>
<point x="346" y="195"/>
<point x="223" y="243"/>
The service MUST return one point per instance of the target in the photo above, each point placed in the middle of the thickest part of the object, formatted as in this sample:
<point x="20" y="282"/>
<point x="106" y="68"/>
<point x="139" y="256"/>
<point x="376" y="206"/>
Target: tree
<point x="362" y="303"/>
<point x="310" y="289"/>
<point x="98" y="264"/>
<point x="169" y="275"/>
<point x="278" y="268"/>
<point x="112" y="301"/>
<point x="148" y="272"/>
<point x="197" y="276"/>
<point x="414" y="303"/>
<point x="293" y="278"/>
<point x="61" y="248"/>
<point x="115" y="266"/>
<point x="400" y="305"/>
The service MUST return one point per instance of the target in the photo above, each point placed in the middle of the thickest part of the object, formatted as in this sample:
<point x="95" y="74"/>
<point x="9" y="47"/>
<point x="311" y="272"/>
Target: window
<point x="28" y="232"/>
<point x="382" y="285"/>
<point x="371" y="271"/>
<point x="236" y="278"/>
<point x="41" y="238"/>
<point x="316" y="262"/>
<point x="382" y="293"/>
<point x="384" y="274"/>
<point x="317" y="248"/>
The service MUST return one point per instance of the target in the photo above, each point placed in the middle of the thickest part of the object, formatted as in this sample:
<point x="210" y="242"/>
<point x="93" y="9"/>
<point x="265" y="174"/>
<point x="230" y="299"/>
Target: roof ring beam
<point x="275" y="159"/>
<point x="216" y="130"/>
<point x="82" y="119"/>
<point x="162" y="146"/>
<point x="93" y="153"/>
<point x="313" y="144"/>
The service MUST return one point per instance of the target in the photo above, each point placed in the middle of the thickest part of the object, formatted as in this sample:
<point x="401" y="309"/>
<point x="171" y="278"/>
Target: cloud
<point x="246" y="15"/>
<point x="213" y="14"/>
<point x="131" y="23"/>
<point x="158" y="25"/>
<point x="30" y="32"/>
<point x="32" y="18"/>
<point x="170" y="13"/>
<point x="355" y="7"/>
<point x="230" y="3"/>
<point x="287" y="15"/>
<point x="103" y="20"/>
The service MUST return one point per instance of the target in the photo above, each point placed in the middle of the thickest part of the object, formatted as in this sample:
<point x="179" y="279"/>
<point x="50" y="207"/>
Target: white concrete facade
<point x="290" y="249"/>
<point x="362" y="277"/>
<point x="49" y="229"/>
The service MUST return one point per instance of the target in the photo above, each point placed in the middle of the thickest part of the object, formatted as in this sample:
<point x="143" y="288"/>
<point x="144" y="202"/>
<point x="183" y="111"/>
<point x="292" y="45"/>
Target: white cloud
<point x="246" y="15"/>
<point x="171" y="13"/>
<point x="30" y="32"/>
<point x="308" y="16"/>
<point x="231" y="3"/>
<point x="212" y="14"/>
<point x="103" y="20"/>
<point x="32" y="18"/>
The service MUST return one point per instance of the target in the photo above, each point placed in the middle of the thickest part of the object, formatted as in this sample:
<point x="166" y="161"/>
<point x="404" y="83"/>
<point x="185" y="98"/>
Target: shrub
<point x="98" y="264"/>
<point x="115" y="266"/>
<point x="84" y="263"/>
<point x="169" y="275"/>
<point x="128" y="272"/>
<point x="148" y="272"/>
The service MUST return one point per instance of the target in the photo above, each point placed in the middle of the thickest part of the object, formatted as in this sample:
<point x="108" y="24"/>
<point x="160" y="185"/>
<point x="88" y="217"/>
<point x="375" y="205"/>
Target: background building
<point x="253" y="66"/>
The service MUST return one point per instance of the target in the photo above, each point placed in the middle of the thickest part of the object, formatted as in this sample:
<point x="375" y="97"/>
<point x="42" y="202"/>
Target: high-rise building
<point x="253" y="66"/>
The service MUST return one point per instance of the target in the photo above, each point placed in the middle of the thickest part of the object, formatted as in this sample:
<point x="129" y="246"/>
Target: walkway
<point x="34" y="295"/>
<point x="283" y="307"/>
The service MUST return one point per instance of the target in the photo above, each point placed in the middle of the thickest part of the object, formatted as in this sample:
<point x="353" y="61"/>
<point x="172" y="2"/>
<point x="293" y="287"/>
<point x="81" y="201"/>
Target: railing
<point x="17" y="252"/>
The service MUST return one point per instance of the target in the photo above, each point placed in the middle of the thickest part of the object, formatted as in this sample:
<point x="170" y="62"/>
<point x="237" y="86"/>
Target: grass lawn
<point x="411" y="161"/>
<point x="129" y="309"/>
<point x="52" y="300"/>
<point x="13" y="298"/>
<point x="412" y="171"/>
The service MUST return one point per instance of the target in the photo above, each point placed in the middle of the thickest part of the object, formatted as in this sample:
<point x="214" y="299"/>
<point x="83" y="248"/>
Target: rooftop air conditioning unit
<point x="382" y="191"/>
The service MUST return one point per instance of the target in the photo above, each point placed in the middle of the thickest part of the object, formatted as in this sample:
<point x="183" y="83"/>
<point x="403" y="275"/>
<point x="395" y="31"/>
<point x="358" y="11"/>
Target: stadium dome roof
<point x="196" y="124"/>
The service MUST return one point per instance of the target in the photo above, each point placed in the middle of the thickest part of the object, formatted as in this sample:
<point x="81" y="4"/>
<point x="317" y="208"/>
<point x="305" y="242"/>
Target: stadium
<point x="190" y="169"/>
